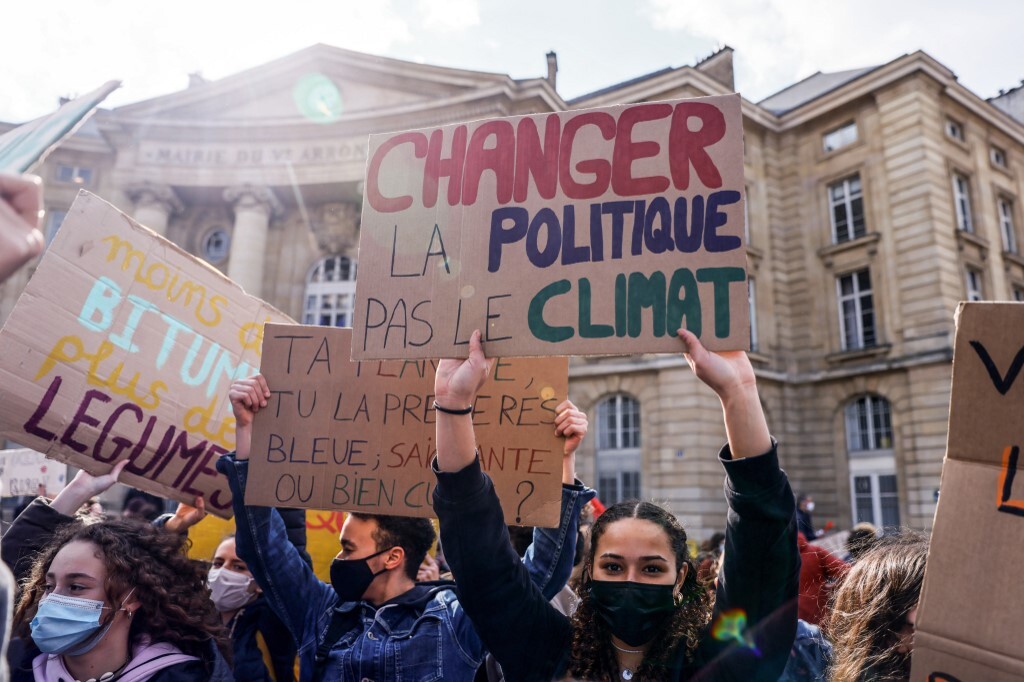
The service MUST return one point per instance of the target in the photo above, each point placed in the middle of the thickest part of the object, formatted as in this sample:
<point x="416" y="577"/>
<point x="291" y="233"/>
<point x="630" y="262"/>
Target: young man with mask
<point x="373" y="621"/>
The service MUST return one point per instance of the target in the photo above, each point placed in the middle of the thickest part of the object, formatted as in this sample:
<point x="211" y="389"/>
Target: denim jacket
<point x="423" y="634"/>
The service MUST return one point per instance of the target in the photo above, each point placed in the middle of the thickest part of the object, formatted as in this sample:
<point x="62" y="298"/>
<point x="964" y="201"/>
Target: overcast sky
<point x="53" y="47"/>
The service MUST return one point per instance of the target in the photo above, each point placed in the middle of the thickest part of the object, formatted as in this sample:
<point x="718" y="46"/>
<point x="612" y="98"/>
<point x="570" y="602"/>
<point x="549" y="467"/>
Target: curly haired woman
<point x="681" y="628"/>
<point x="874" y="611"/>
<point x="643" y="613"/>
<point x="115" y="600"/>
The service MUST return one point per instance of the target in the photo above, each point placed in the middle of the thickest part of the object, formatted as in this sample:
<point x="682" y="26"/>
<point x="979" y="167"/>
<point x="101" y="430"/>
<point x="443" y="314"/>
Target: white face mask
<point x="810" y="506"/>
<point x="229" y="589"/>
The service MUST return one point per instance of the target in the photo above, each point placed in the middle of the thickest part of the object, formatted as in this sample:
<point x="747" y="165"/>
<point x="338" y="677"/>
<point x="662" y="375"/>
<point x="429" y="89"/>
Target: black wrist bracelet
<point x="447" y="410"/>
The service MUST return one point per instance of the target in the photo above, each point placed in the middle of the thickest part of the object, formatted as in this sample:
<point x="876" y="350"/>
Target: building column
<point x="154" y="205"/>
<point x="253" y="207"/>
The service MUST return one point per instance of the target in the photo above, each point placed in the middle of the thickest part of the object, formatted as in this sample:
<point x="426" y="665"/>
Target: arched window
<point x="868" y="424"/>
<point x="330" y="292"/>
<point x="874" y="485"/>
<point x="618" y="448"/>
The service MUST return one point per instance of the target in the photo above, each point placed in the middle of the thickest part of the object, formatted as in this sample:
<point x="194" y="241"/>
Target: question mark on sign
<point x="519" y="509"/>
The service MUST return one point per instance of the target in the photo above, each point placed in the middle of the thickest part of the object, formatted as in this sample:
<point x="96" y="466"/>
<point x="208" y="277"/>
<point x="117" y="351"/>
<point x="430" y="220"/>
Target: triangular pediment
<point x="322" y="84"/>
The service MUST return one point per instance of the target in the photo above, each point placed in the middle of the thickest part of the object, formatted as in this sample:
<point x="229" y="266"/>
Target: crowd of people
<point x="618" y="597"/>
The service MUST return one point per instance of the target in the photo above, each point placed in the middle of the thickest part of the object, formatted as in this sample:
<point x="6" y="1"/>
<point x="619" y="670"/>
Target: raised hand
<point x="722" y="372"/>
<point x="20" y="239"/>
<point x="85" y="486"/>
<point x="186" y="516"/>
<point x="248" y="396"/>
<point x="571" y="424"/>
<point x="731" y="376"/>
<point x="455" y="387"/>
<point x="456" y="382"/>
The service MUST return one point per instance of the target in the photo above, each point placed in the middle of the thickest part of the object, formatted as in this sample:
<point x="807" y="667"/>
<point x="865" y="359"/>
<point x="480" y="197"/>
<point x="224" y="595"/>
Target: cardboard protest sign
<point x="124" y="345"/>
<point x="322" y="531"/>
<point x="23" y="471"/>
<point x="599" y="231"/>
<point x="968" y="623"/>
<point x="351" y="436"/>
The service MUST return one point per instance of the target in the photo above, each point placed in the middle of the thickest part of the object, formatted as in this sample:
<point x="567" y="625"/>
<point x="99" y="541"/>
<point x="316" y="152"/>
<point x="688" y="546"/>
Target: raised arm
<point x="731" y="377"/>
<point x="755" y="607"/>
<point x="526" y="634"/>
<point x="35" y="527"/>
<point x="456" y="384"/>
<point x="289" y="585"/>
<point x="549" y="557"/>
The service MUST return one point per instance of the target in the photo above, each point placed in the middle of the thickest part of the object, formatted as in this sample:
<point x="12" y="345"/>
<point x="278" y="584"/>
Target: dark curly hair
<point x="414" y="536"/>
<point x="870" y="608"/>
<point x="174" y="600"/>
<point x="593" y="657"/>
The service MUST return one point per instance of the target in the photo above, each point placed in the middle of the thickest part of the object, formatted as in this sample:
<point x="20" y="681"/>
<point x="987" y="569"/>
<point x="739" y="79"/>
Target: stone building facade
<point x="877" y="199"/>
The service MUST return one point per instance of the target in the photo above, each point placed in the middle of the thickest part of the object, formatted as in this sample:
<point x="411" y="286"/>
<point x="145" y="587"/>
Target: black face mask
<point x="351" y="577"/>
<point x="634" y="612"/>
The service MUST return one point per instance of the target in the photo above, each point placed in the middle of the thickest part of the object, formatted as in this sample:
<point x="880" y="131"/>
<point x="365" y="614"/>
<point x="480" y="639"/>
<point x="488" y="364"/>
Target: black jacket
<point x="531" y="640"/>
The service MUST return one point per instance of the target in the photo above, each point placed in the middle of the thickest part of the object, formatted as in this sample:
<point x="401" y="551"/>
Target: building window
<point x="846" y="204"/>
<point x="78" y="175"/>
<point x="868" y="424"/>
<point x="618" y="449"/>
<point x="876" y="498"/>
<point x="1018" y="294"/>
<point x="962" y="198"/>
<point x="975" y="289"/>
<point x="840" y="137"/>
<point x="1005" y="207"/>
<point x="869" y="443"/>
<point x="997" y="155"/>
<point x="53" y="223"/>
<point x="856" y="310"/>
<point x="955" y="129"/>
<point x="330" y="292"/>
<point x="216" y="245"/>
<point x="752" y="303"/>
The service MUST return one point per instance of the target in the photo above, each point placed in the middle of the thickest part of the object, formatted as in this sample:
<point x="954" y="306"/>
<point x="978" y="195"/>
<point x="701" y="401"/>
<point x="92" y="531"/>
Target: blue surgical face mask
<point x="62" y="624"/>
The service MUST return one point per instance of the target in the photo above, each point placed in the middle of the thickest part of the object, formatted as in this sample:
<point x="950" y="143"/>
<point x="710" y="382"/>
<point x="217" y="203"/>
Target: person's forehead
<point x="634" y="538"/>
<point x="226" y="550"/>
<point x="358" y="531"/>
<point x="78" y="557"/>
